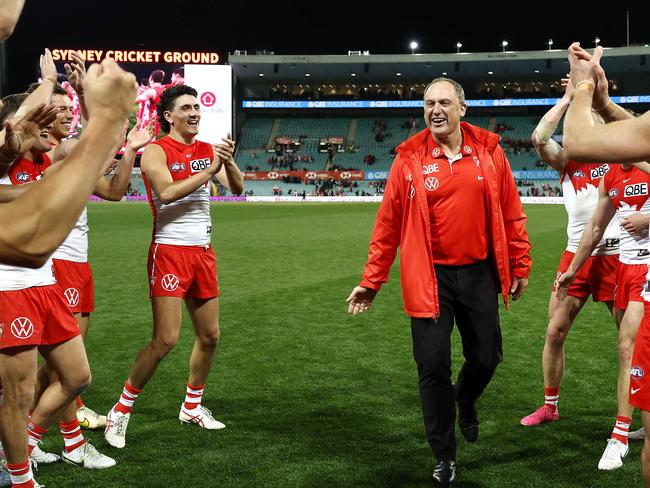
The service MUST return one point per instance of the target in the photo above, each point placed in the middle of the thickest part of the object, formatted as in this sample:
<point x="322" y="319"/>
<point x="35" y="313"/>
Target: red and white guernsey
<point x="75" y="246"/>
<point x="185" y="222"/>
<point x="629" y="191"/>
<point x="580" y="189"/>
<point x="14" y="277"/>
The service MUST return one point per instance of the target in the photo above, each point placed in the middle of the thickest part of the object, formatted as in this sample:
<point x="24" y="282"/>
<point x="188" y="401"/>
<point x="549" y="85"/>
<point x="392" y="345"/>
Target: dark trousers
<point x="467" y="294"/>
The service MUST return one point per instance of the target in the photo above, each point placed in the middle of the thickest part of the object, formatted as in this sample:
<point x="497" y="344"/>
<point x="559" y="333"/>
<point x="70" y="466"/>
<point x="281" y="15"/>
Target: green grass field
<point x="315" y="398"/>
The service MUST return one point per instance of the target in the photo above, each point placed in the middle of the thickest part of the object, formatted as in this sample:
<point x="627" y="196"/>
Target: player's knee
<point x="76" y="383"/>
<point x="555" y="336"/>
<point x="211" y="339"/>
<point x="163" y="345"/>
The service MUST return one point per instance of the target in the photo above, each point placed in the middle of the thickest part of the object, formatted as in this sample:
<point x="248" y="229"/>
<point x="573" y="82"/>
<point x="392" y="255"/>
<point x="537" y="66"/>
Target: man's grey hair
<point x="460" y="93"/>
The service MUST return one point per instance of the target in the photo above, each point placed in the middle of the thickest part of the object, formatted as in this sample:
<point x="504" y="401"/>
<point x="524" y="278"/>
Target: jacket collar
<point x="478" y="136"/>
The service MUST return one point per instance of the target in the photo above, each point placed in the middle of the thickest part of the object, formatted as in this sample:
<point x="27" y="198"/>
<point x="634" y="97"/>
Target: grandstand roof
<point x="549" y="63"/>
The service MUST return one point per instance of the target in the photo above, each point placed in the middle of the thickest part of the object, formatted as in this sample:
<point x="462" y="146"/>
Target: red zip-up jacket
<point x="403" y="220"/>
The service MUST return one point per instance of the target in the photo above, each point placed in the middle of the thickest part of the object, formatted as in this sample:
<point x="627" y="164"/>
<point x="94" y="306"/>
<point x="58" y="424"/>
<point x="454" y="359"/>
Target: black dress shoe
<point x="445" y="472"/>
<point x="468" y="422"/>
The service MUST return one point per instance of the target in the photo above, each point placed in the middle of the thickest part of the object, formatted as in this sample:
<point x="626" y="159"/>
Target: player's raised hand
<point x="109" y="90"/>
<point x="21" y="134"/>
<point x="225" y="150"/>
<point x="360" y="300"/>
<point x="141" y="134"/>
<point x="48" y="68"/>
<point x="76" y="71"/>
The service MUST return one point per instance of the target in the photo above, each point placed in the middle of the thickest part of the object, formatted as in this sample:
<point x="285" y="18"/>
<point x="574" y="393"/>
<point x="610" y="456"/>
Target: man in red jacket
<point x="452" y="206"/>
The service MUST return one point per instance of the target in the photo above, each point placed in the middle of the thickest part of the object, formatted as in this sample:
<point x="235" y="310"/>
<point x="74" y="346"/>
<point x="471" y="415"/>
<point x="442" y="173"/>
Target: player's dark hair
<point x="179" y="71"/>
<point x="58" y="89"/>
<point x="10" y="105"/>
<point x="167" y="100"/>
<point x="157" y="75"/>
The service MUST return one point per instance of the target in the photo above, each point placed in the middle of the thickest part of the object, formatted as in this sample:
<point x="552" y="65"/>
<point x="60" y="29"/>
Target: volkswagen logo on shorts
<point x="431" y="183"/>
<point x="169" y="282"/>
<point x="72" y="296"/>
<point x="22" y="328"/>
<point x="636" y="372"/>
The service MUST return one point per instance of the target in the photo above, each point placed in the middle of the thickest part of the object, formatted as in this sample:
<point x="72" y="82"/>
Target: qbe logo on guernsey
<point x="599" y="172"/>
<point x="22" y="328"/>
<point x="199" y="164"/>
<point x="169" y="282"/>
<point x="636" y="189"/>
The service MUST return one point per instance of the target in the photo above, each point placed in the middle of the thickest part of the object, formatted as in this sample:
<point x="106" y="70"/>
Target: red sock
<point x="21" y="475"/>
<point x="35" y="434"/>
<point x="72" y="436"/>
<point x="551" y="396"/>
<point x="80" y="403"/>
<point x="621" y="428"/>
<point x="129" y="394"/>
<point x="193" y="396"/>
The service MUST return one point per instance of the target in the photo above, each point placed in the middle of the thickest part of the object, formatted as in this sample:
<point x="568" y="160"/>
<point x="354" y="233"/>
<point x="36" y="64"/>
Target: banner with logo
<point x="214" y="86"/>
<point x="376" y="175"/>
<point x="535" y="175"/>
<point x="304" y="175"/>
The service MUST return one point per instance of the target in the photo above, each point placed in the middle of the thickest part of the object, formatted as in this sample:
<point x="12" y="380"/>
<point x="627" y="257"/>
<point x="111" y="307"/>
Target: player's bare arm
<point x="8" y="193"/>
<point x="591" y="236"/>
<point x="9" y="14"/>
<point x="35" y="226"/>
<point x="230" y="175"/>
<point x="548" y="149"/>
<point x="114" y="189"/>
<point x="154" y="167"/>
<point x="623" y="141"/>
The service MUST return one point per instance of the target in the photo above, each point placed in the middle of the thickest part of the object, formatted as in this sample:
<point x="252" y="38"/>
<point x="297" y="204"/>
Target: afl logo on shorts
<point x="578" y="174"/>
<point x="431" y="183"/>
<point x="72" y="296"/>
<point x="176" y="167"/>
<point x="613" y="192"/>
<point x="22" y="328"/>
<point x="169" y="282"/>
<point x="636" y="372"/>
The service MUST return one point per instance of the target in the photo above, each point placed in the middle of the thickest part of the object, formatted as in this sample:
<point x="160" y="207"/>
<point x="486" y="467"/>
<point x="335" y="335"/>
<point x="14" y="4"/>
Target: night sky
<point x="291" y="27"/>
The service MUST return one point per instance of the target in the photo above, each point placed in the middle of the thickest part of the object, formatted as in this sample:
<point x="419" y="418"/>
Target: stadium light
<point x="504" y="44"/>
<point x="413" y="46"/>
<point x="550" y="43"/>
<point x="596" y="41"/>
<point x="458" y="46"/>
